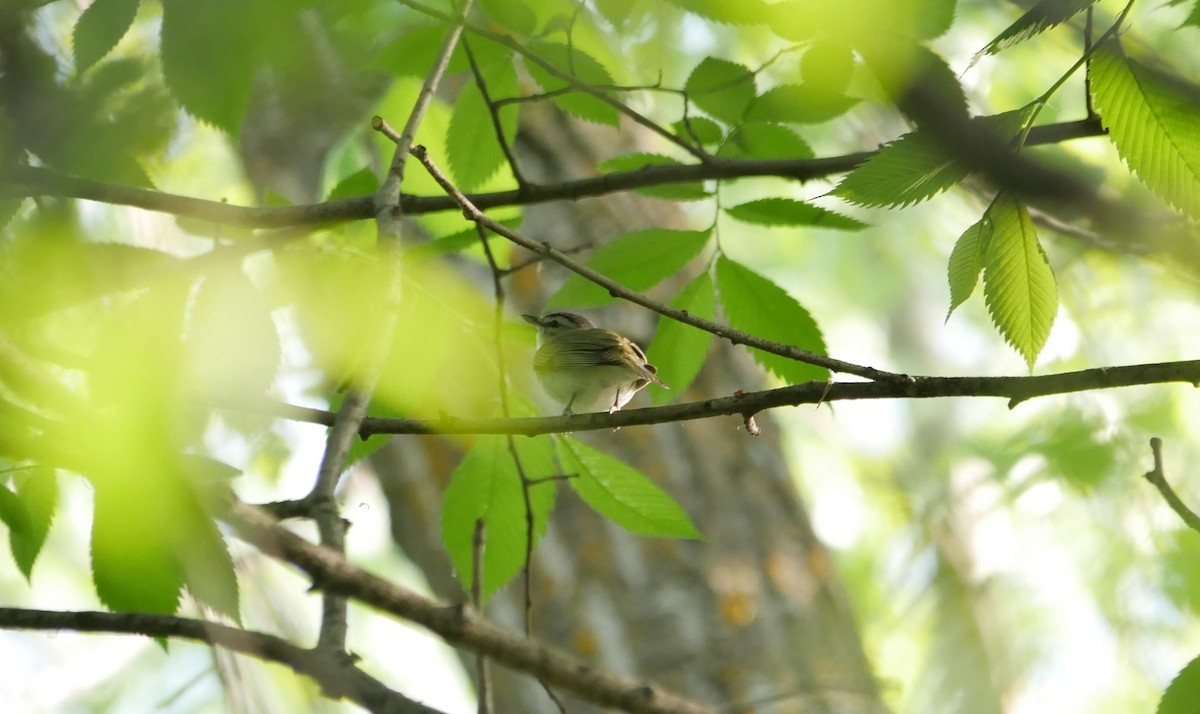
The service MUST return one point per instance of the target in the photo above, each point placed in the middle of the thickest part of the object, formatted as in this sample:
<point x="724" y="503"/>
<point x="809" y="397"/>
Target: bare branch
<point x="337" y="678"/>
<point x="1158" y="478"/>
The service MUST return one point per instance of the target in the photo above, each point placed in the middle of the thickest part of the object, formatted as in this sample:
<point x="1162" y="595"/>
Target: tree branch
<point x="1158" y="478"/>
<point x="458" y="626"/>
<point x="36" y="181"/>
<point x="1015" y="389"/>
<point x="338" y="679"/>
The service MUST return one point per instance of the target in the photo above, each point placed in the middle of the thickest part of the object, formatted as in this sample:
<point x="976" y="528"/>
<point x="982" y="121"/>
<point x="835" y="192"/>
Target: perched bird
<point x="587" y="368"/>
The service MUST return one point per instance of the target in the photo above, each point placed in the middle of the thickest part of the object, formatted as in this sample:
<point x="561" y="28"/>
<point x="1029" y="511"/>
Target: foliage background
<point x="1016" y="554"/>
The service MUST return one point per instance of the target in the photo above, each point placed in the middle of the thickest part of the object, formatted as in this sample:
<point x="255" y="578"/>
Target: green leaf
<point x="679" y="350"/>
<point x="622" y="494"/>
<point x="1018" y="284"/>
<point x="133" y="561"/>
<point x="1151" y="118"/>
<point x="790" y="212"/>
<point x="1183" y="692"/>
<point x="584" y="68"/>
<point x="98" y="30"/>
<point x="799" y="104"/>
<point x="743" y="12"/>
<point x="722" y="88"/>
<point x="472" y="147"/>
<point x="1039" y="18"/>
<point x="699" y="130"/>
<point x="688" y="191"/>
<point x="512" y="14"/>
<point x="38" y="492"/>
<point x="229" y="35"/>
<point x="758" y="306"/>
<point x="827" y="66"/>
<point x="915" y="167"/>
<point x="414" y="51"/>
<point x="363" y="182"/>
<point x="12" y="512"/>
<point x="638" y="261"/>
<point x="487" y="486"/>
<point x="764" y="140"/>
<point x="966" y="262"/>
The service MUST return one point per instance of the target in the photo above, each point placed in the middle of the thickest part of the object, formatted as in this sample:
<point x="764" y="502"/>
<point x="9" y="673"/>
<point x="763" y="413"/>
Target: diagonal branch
<point x="337" y="678"/>
<point x="1158" y="478"/>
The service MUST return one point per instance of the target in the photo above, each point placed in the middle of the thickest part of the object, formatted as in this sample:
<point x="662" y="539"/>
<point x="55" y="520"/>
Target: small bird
<point x="588" y="368"/>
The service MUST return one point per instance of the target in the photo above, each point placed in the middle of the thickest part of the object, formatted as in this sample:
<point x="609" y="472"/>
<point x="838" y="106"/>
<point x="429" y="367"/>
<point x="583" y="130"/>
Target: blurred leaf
<point x="758" y="306"/>
<point x="487" y="486"/>
<point x="799" y="104"/>
<point x="699" y="130"/>
<point x="679" y="350"/>
<point x="790" y="212"/>
<point x="99" y="28"/>
<point x="133" y="560"/>
<point x="621" y="493"/>
<point x="743" y="12"/>
<point x="1039" y="18"/>
<point x="722" y="88"/>
<point x="582" y="67"/>
<point x="12" y="512"/>
<point x="1151" y="118"/>
<point x="638" y="260"/>
<point x="764" y="140"/>
<point x="363" y="182"/>
<point x="827" y="66"/>
<point x="38" y="492"/>
<point x="1018" y="284"/>
<point x="966" y="262"/>
<point x="1183" y="692"/>
<point x="1180" y="576"/>
<point x="689" y="191"/>
<point x="514" y="15"/>
<point x="413" y="52"/>
<point x="472" y="147"/>
<point x="231" y="337"/>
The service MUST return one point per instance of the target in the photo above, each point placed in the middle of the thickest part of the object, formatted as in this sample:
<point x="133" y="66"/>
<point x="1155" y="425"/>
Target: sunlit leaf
<point x="472" y="146"/>
<point x="699" y="130"/>
<point x="1039" y="18"/>
<point x="722" y="88"/>
<point x="758" y="306"/>
<point x="790" y="212"/>
<point x="233" y="346"/>
<point x="1151" y="118"/>
<point x="966" y="262"/>
<point x="765" y="140"/>
<point x="133" y="559"/>
<point x="1018" y="284"/>
<point x="584" y="68"/>
<point x="38" y="492"/>
<point x="512" y="14"/>
<point x="827" y="66"/>
<point x="638" y="261"/>
<point x="1183" y="692"/>
<point x="99" y="28"/>
<point x="487" y="486"/>
<point x="748" y="12"/>
<point x="799" y="104"/>
<point x="622" y="494"/>
<point x="363" y="182"/>
<point x="679" y="350"/>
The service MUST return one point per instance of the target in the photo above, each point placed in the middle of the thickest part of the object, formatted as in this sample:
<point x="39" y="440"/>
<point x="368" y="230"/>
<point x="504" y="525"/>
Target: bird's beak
<point x="533" y="320"/>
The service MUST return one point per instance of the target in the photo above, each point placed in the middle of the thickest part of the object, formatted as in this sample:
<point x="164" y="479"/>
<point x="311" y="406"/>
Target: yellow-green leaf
<point x="1018" y="284"/>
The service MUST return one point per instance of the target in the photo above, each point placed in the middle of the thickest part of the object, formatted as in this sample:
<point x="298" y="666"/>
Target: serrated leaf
<point x="133" y="563"/>
<point x="363" y="182"/>
<point x="512" y="14"/>
<point x="414" y="51"/>
<point x="687" y="191"/>
<point x="765" y="140"/>
<point x="699" y="130"/>
<point x="758" y="306"/>
<point x="622" y="494"/>
<point x="799" y="104"/>
<point x="1018" y="283"/>
<point x="38" y="492"/>
<point x="790" y="212"/>
<point x="208" y="572"/>
<point x="226" y="33"/>
<point x="472" y="146"/>
<point x="98" y="30"/>
<point x="966" y="262"/>
<point x="1039" y="18"/>
<point x="584" y="68"/>
<point x="721" y="88"/>
<point x="487" y="486"/>
<point x="12" y="512"/>
<point x="679" y="350"/>
<point x="1151" y="118"/>
<point x="915" y="167"/>
<point x="1183" y="692"/>
<point x="638" y="261"/>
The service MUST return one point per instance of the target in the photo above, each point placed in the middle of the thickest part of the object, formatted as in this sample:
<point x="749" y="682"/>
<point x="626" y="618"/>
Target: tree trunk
<point x="752" y="618"/>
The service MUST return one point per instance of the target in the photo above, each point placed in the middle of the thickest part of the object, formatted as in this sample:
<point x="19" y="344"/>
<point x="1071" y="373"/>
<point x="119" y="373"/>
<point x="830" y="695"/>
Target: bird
<point x="587" y="368"/>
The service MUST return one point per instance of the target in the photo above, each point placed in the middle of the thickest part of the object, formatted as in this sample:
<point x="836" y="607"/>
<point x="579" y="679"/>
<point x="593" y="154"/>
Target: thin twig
<point x="1159" y="479"/>
<point x="483" y="672"/>
<point x="494" y="113"/>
